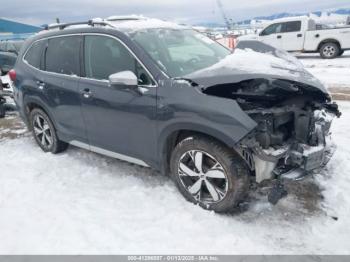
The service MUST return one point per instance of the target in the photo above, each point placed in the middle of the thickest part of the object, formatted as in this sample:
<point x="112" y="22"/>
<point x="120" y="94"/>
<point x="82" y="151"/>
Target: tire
<point x="221" y="169"/>
<point x="341" y="52"/>
<point x="2" y="111"/>
<point x="44" y="132"/>
<point x="329" y="50"/>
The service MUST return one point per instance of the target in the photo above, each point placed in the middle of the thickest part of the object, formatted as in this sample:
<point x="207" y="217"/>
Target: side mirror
<point x="126" y="78"/>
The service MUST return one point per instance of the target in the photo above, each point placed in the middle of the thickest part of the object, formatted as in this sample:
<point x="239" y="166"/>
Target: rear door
<point x="271" y="35"/>
<point x="292" y="36"/>
<point x="120" y="121"/>
<point x="59" y="85"/>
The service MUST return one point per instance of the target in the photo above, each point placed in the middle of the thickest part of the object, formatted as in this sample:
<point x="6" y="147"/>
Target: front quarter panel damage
<point x="181" y="106"/>
<point x="293" y="124"/>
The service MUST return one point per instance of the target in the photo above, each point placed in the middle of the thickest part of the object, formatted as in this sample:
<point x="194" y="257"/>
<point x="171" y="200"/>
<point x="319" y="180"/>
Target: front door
<point x="120" y="120"/>
<point x="271" y="35"/>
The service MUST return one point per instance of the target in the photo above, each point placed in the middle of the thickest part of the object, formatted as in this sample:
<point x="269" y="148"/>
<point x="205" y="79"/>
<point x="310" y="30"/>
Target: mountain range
<point x="343" y="11"/>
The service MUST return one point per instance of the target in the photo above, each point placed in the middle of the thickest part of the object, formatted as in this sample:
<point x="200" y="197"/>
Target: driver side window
<point x="105" y="56"/>
<point x="272" y="29"/>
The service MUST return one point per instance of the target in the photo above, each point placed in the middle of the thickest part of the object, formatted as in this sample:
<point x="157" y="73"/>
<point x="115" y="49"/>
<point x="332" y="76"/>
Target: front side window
<point x="104" y="56"/>
<point x="62" y="55"/>
<point x="34" y="54"/>
<point x="179" y="52"/>
<point x="289" y="27"/>
<point x="272" y="29"/>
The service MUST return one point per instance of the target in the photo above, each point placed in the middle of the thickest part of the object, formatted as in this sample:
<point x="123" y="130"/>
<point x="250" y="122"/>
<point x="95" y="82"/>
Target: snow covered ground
<point x="82" y="203"/>
<point x="334" y="72"/>
<point x="79" y="202"/>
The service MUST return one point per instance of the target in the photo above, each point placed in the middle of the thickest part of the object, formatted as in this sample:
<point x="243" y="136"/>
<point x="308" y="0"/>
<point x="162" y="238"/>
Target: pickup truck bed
<point x="301" y="34"/>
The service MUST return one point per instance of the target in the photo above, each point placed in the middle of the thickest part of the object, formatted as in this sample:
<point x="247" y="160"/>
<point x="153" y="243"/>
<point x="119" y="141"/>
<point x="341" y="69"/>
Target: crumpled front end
<point x="289" y="141"/>
<point x="292" y="109"/>
<point x="293" y="119"/>
<point x="291" y="145"/>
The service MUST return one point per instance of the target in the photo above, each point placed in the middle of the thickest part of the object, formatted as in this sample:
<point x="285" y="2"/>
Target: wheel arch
<point x="328" y="40"/>
<point x="30" y="103"/>
<point x="171" y="137"/>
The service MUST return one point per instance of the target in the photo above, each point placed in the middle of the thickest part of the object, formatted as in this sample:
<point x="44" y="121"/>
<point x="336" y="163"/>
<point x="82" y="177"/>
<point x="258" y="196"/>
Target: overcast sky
<point x="39" y="12"/>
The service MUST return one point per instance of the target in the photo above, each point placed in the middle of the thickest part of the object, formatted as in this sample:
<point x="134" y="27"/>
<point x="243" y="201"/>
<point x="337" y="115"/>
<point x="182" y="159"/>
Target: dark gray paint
<point x="122" y="119"/>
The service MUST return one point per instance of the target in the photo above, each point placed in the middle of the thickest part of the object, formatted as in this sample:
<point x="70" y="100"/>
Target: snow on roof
<point x="288" y="19"/>
<point x="125" y="23"/>
<point x="136" y="23"/>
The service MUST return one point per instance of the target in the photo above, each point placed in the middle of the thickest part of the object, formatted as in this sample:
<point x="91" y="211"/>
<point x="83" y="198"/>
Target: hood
<point x="253" y="60"/>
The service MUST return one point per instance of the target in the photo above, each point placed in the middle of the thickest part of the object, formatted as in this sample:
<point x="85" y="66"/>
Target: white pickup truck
<point x="302" y="34"/>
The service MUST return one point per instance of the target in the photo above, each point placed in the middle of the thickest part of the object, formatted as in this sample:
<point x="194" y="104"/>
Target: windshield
<point x="180" y="52"/>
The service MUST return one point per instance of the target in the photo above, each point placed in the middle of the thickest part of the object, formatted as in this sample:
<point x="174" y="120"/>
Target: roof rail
<point x="92" y="22"/>
<point x="125" y="18"/>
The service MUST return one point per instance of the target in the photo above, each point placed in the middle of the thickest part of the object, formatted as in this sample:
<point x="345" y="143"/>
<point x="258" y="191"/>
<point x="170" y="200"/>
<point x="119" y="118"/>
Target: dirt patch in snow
<point x="12" y="127"/>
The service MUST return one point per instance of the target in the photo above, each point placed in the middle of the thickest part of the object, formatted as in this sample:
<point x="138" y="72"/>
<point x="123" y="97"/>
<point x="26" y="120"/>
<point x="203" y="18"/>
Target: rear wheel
<point x="209" y="174"/>
<point x="44" y="132"/>
<point x="329" y="50"/>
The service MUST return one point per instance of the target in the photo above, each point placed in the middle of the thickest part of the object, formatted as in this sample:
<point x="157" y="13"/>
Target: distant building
<point x="11" y="29"/>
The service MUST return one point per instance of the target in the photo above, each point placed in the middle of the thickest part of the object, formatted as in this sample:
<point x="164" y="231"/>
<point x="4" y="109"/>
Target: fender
<point x="185" y="108"/>
<point x="329" y="40"/>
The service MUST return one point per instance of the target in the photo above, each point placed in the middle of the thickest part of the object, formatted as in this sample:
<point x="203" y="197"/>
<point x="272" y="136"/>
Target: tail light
<point x="12" y="75"/>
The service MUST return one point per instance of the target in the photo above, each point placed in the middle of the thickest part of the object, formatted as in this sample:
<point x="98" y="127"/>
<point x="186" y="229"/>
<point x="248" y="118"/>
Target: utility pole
<point x="227" y="21"/>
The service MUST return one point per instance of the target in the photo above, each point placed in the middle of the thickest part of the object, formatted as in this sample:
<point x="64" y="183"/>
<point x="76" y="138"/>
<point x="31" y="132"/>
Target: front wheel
<point x="209" y="174"/>
<point x="329" y="50"/>
<point x="44" y="132"/>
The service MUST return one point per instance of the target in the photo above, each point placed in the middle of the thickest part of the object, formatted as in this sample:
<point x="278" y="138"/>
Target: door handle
<point x="299" y="35"/>
<point x="40" y="84"/>
<point x="279" y="36"/>
<point x="86" y="93"/>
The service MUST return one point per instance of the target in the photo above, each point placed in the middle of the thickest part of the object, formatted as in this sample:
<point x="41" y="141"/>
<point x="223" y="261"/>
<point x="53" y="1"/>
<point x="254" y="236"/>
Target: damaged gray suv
<point x="164" y="96"/>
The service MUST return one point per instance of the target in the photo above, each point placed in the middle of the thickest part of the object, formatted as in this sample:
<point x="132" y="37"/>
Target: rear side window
<point x="289" y="27"/>
<point x="62" y="55"/>
<point x="34" y="54"/>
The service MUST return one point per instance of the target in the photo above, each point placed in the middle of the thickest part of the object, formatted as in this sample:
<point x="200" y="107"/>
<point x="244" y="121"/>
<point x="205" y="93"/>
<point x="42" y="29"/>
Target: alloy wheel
<point x="42" y="131"/>
<point x="203" y="176"/>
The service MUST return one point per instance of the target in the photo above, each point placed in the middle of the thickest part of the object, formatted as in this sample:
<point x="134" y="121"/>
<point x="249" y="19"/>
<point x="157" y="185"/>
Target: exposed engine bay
<point x="293" y="125"/>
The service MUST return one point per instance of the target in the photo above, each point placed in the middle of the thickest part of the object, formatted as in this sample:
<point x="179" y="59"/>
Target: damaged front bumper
<point x="295" y="162"/>
<point x="294" y="159"/>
